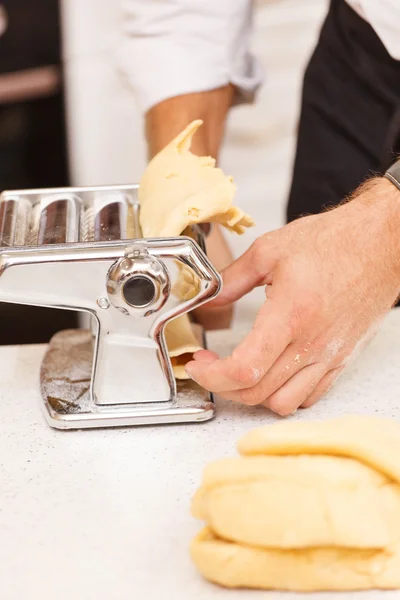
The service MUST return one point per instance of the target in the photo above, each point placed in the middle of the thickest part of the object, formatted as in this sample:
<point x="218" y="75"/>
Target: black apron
<point x="350" y="113"/>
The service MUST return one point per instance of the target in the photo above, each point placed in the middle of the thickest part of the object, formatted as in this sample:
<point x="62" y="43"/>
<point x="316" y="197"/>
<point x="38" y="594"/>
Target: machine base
<point x="65" y="380"/>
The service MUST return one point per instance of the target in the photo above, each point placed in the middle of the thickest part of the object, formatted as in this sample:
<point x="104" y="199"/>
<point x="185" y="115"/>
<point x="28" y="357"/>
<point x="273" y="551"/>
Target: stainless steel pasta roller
<point x="81" y="249"/>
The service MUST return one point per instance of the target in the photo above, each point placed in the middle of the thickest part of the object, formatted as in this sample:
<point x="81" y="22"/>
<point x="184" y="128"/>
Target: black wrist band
<point x="393" y="174"/>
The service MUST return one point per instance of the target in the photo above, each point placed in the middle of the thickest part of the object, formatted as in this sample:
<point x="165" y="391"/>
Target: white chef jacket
<point x="175" y="47"/>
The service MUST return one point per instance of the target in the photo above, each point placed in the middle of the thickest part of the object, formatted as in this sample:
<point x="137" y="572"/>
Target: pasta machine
<point x="81" y="249"/>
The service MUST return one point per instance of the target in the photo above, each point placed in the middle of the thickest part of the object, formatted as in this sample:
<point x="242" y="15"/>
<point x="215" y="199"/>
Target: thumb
<point x="250" y="270"/>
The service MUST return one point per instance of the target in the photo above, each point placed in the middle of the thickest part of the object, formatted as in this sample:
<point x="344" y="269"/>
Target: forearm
<point x="168" y="118"/>
<point x="163" y="122"/>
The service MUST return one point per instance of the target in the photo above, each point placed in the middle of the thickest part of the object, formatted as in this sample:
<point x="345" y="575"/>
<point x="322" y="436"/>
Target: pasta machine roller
<point x="81" y="249"/>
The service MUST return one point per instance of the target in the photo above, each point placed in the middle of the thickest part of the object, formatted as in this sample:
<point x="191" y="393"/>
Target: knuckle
<point x="251" y="397"/>
<point x="280" y="406"/>
<point x="246" y="376"/>
<point x="258" y="253"/>
<point x="307" y="308"/>
<point x="258" y="246"/>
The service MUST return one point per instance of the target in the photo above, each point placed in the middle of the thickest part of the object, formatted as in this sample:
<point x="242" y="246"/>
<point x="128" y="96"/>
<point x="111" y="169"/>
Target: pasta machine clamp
<point x="81" y="249"/>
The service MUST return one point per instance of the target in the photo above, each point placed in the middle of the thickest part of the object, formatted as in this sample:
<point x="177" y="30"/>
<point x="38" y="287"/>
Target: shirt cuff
<point x="161" y="58"/>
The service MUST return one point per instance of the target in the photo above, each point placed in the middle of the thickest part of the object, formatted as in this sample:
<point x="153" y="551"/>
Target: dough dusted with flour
<point x="182" y="343"/>
<point x="179" y="189"/>
<point x="306" y="507"/>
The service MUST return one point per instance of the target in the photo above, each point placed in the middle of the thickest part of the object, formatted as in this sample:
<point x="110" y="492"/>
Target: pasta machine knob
<point x="138" y="284"/>
<point x="139" y="291"/>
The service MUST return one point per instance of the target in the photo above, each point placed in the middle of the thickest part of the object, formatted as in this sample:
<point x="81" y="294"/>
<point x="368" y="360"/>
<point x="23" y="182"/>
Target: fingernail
<point x="204" y="356"/>
<point x="189" y="370"/>
<point x="204" y="360"/>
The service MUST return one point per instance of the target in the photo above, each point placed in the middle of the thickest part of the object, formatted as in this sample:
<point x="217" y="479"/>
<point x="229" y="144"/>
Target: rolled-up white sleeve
<point x="175" y="47"/>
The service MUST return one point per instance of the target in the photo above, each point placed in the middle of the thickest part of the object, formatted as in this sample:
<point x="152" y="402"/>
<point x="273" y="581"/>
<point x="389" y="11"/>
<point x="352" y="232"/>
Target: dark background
<point x="32" y="143"/>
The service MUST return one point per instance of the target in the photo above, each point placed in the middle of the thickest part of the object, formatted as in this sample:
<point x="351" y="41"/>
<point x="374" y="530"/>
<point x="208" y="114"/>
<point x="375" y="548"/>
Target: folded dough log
<point x="179" y="189"/>
<point x="351" y="505"/>
<point x="316" y="569"/>
<point x="308" y="506"/>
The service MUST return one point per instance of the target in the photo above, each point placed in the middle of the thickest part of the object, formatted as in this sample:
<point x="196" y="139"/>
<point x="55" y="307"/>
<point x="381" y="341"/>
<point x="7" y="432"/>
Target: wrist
<point x="378" y="200"/>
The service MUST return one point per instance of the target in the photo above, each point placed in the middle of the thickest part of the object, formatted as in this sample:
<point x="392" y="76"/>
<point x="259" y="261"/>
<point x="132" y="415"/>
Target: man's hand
<point x="329" y="279"/>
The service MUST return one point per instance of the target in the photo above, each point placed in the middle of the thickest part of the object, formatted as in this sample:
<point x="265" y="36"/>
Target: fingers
<point x="303" y="389"/>
<point x="285" y="399"/>
<point x="206" y="356"/>
<point x="283" y="369"/>
<point x="323" y="386"/>
<point x="246" y="273"/>
<point x="214" y="318"/>
<point x="294" y="393"/>
<point x="254" y="356"/>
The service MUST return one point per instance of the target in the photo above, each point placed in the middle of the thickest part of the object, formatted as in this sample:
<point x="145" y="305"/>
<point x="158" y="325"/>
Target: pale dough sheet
<point x="182" y="343"/>
<point x="308" y="506"/>
<point x="179" y="189"/>
<point x="373" y="441"/>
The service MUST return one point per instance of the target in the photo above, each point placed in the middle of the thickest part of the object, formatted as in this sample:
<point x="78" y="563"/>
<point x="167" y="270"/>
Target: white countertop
<point x="104" y="515"/>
